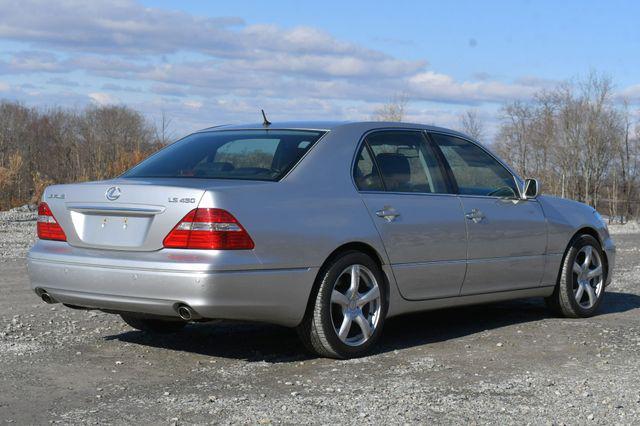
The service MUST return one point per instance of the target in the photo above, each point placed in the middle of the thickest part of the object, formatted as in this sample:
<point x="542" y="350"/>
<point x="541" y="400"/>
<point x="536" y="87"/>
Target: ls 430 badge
<point x="181" y="200"/>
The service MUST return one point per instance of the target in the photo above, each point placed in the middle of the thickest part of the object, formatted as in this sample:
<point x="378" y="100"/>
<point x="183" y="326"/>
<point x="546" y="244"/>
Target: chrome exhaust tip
<point x="186" y="313"/>
<point x="46" y="298"/>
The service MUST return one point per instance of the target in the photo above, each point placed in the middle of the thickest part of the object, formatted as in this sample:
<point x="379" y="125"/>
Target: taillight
<point x="48" y="227"/>
<point x="211" y="229"/>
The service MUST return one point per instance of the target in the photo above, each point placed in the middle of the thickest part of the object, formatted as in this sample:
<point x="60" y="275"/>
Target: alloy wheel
<point x="355" y="305"/>
<point x="588" y="277"/>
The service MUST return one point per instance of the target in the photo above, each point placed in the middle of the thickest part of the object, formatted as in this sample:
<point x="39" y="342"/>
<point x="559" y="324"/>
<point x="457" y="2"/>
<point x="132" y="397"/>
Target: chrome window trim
<point x="428" y="194"/>
<point x="516" y="179"/>
<point x="438" y="194"/>
<point x="496" y="198"/>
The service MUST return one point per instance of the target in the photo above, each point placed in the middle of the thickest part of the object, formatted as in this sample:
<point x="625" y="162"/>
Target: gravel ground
<point x="632" y="227"/>
<point x="501" y="363"/>
<point x="17" y="233"/>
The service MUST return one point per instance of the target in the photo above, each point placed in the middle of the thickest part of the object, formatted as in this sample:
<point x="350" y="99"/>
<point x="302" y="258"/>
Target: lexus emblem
<point x="112" y="193"/>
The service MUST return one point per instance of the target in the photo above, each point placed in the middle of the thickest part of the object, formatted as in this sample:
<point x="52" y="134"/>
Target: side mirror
<point x="531" y="188"/>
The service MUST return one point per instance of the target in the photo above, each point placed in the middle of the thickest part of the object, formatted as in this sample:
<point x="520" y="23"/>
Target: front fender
<point x="565" y="218"/>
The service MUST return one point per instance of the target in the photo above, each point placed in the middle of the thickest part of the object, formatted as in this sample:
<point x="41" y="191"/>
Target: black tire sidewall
<point x="329" y="278"/>
<point x="566" y="284"/>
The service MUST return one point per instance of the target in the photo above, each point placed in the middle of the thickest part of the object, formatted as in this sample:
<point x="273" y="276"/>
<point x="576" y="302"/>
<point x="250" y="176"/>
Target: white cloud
<point x="631" y="93"/>
<point x="31" y="62"/>
<point x="201" y="68"/>
<point x="126" y="27"/>
<point x="193" y="104"/>
<point x="4" y="87"/>
<point x="109" y="26"/>
<point x="102" y="98"/>
<point x="440" y="87"/>
<point x="123" y="40"/>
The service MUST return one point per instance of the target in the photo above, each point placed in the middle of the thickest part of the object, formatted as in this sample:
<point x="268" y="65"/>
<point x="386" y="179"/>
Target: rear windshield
<point x="233" y="154"/>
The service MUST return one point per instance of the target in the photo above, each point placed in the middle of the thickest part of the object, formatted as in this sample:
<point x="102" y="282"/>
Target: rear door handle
<point x="388" y="213"/>
<point x="475" y="215"/>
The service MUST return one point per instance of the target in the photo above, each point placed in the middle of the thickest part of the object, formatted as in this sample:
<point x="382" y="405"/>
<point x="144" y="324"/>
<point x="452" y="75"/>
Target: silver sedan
<point x="327" y="227"/>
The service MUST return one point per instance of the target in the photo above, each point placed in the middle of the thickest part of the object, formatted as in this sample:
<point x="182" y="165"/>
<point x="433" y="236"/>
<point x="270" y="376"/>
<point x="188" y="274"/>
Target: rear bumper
<point x="82" y="279"/>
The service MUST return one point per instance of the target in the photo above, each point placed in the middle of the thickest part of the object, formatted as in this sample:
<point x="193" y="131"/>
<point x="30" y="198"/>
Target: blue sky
<point x="206" y="63"/>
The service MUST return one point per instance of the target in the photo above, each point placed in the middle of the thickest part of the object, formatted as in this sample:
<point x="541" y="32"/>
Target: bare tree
<point x="471" y="124"/>
<point x="163" y="132"/>
<point x="628" y="167"/>
<point x="41" y="147"/>
<point x="394" y="110"/>
<point x="577" y="139"/>
<point x="514" y="140"/>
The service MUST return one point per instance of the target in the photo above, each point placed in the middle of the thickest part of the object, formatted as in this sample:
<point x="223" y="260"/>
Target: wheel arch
<point x="585" y="230"/>
<point x="589" y="231"/>
<point x="356" y="246"/>
<point x="344" y="248"/>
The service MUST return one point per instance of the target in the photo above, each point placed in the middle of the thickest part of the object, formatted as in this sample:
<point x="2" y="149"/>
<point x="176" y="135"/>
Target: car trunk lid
<point x="122" y="215"/>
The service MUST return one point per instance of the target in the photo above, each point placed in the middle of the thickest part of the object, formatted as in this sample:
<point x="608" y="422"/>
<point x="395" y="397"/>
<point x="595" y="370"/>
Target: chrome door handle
<point x="475" y="215"/>
<point x="388" y="213"/>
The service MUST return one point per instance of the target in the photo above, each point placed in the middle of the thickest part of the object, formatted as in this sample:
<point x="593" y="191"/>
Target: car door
<point x="507" y="235"/>
<point x="421" y="223"/>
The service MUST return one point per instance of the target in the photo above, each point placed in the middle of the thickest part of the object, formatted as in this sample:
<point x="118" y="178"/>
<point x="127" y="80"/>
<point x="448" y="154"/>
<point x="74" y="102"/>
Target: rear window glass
<point x="246" y="154"/>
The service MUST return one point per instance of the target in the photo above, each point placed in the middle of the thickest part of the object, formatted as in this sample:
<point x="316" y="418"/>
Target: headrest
<point x="393" y="164"/>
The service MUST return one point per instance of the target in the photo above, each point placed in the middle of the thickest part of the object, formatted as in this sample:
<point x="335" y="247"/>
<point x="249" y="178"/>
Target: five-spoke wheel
<point x="589" y="276"/>
<point x="355" y="305"/>
<point x="348" y="309"/>
<point x="580" y="288"/>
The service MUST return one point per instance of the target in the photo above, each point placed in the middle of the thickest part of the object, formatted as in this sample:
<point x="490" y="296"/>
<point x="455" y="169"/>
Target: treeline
<point x="42" y="147"/>
<point x="579" y="141"/>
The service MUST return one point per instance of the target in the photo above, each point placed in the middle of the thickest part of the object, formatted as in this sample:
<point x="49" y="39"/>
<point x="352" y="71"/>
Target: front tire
<point x="348" y="308"/>
<point x="153" y="325"/>
<point x="581" y="285"/>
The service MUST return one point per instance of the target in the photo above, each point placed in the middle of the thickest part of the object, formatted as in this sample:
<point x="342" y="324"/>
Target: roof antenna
<point x="265" y="123"/>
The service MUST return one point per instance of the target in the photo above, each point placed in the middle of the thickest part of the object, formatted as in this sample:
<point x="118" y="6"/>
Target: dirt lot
<point x="502" y="363"/>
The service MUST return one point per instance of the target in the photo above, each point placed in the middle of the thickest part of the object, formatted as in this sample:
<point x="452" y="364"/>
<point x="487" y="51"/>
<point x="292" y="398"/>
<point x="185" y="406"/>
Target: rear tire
<point x="581" y="286"/>
<point x="347" y="309"/>
<point x="153" y="325"/>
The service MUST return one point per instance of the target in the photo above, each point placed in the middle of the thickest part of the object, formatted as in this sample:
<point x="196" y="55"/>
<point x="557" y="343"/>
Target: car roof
<point x="332" y="125"/>
<point x="298" y="125"/>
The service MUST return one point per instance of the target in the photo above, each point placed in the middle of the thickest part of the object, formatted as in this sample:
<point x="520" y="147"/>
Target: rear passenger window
<point x="406" y="162"/>
<point x="366" y="173"/>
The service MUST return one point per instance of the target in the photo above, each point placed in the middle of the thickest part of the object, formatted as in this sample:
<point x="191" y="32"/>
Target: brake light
<point x="210" y="229"/>
<point x="48" y="227"/>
